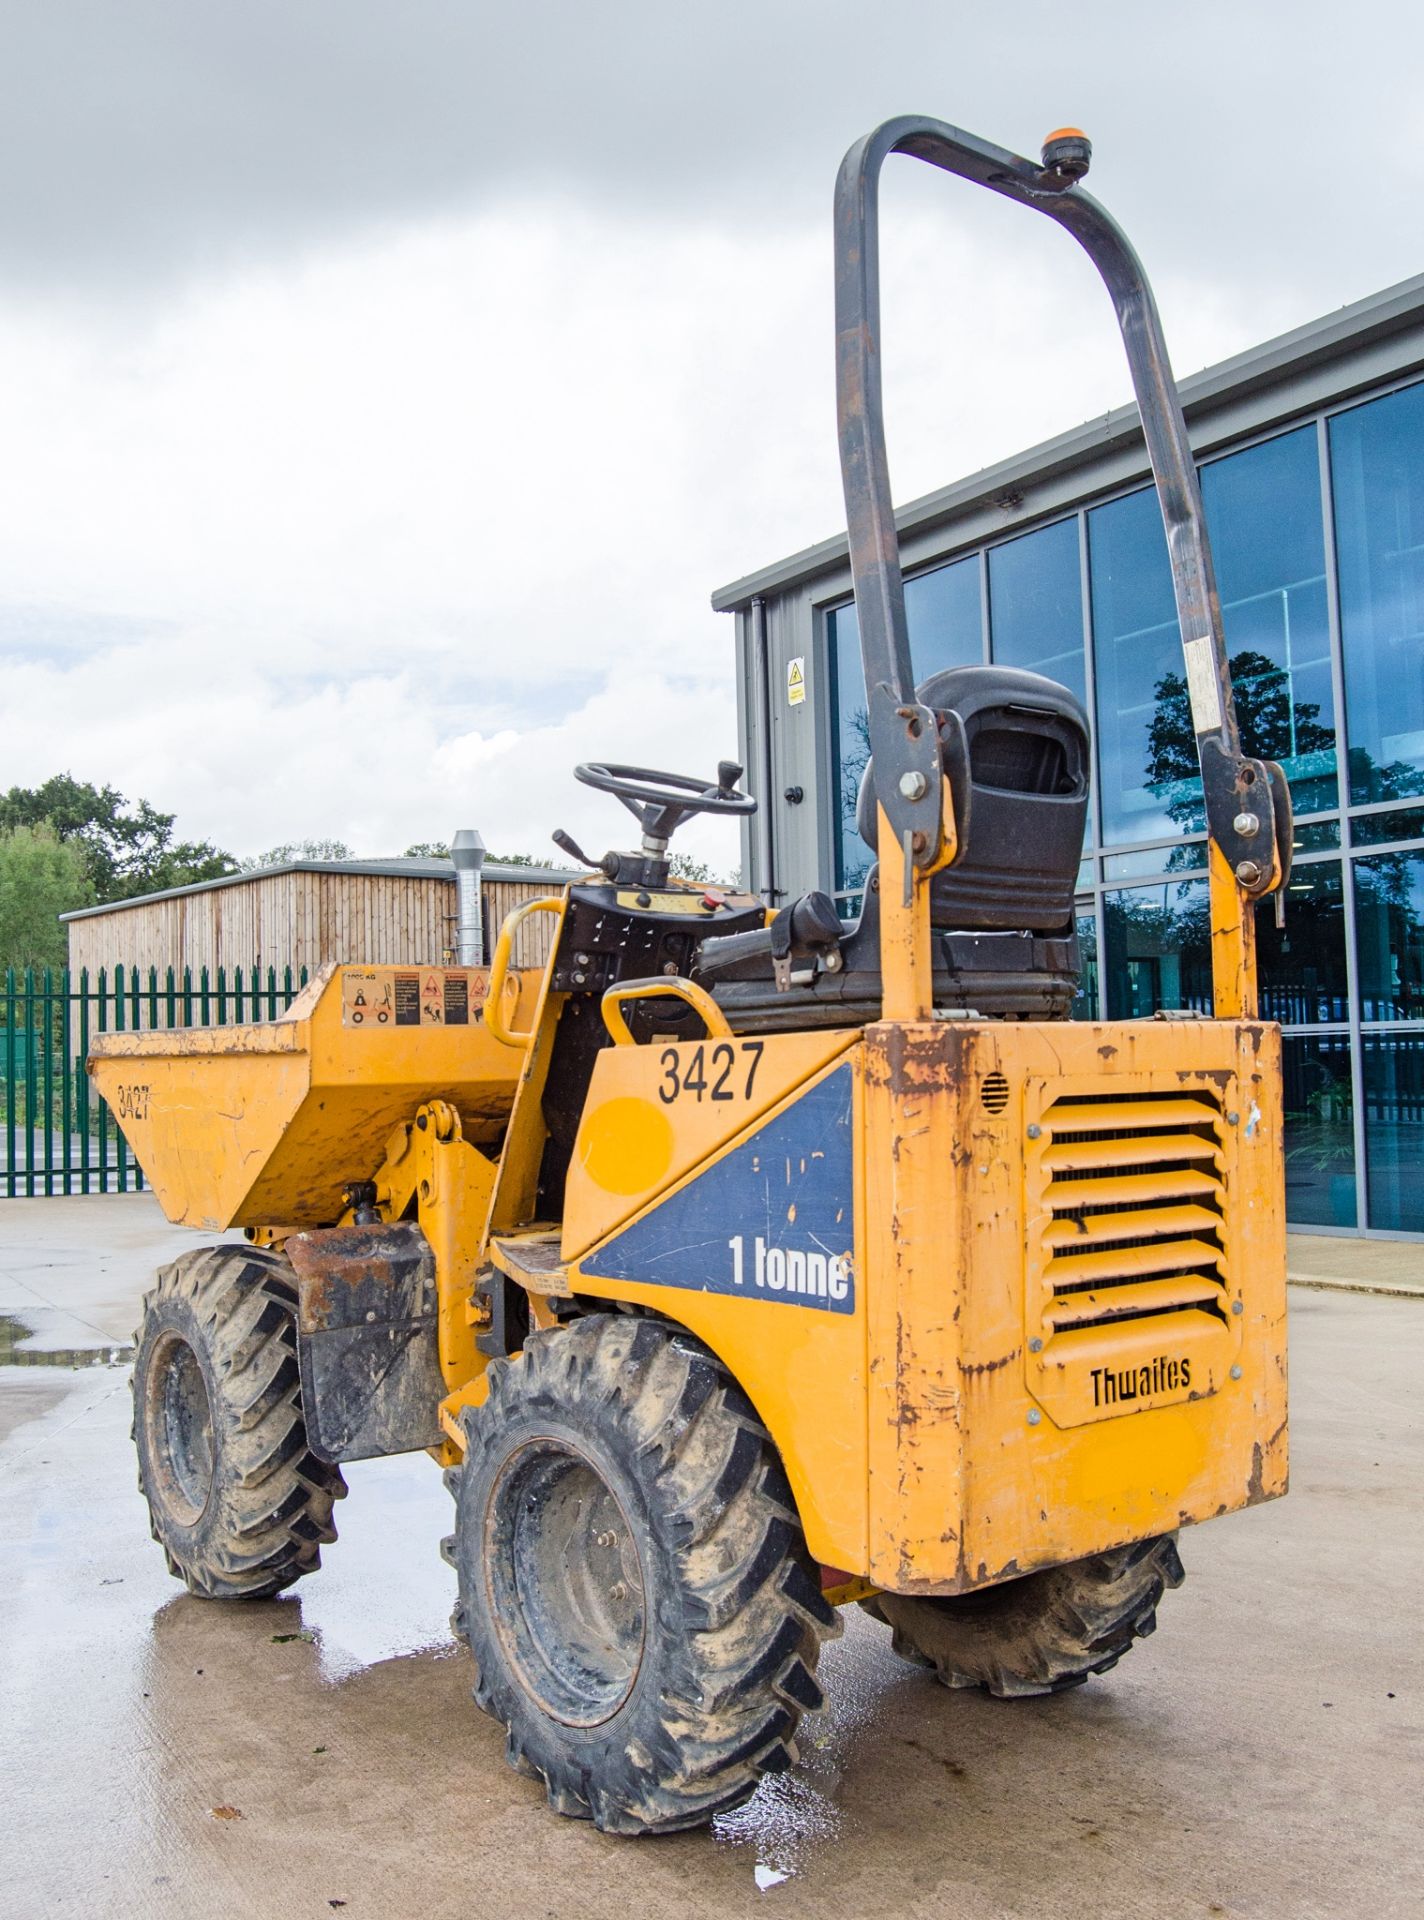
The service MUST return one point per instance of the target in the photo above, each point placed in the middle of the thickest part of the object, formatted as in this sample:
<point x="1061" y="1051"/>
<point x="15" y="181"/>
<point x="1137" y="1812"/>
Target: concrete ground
<point x="160" y="1756"/>
<point x="1337" y="1263"/>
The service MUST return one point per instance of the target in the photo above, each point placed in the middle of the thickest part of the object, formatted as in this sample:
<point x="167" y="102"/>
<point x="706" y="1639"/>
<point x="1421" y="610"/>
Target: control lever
<point x="566" y="843"/>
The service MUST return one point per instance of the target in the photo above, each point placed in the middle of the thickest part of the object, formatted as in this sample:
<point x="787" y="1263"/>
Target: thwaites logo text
<point x="1120" y="1386"/>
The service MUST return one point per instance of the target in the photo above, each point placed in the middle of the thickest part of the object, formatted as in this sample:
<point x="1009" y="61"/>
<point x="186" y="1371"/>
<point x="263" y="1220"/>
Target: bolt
<point x="608" y="1539"/>
<point x="913" y="785"/>
<point x="580" y="979"/>
<point x="670" y="967"/>
<point x="370" y="1317"/>
<point x="1236" y="1373"/>
<point x="1233" y="1119"/>
<point x="1034" y="1416"/>
<point x="1035" y="1345"/>
<point x="1246" y="824"/>
<point x="1248" y="872"/>
<point x="617" y="1591"/>
<point x="580" y="959"/>
<point x="1034" y="1131"/>
<point x="1236" y="1307"/>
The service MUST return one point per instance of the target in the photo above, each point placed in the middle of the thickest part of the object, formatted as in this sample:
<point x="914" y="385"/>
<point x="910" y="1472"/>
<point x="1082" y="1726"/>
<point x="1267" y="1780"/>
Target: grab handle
<point x="499" y="971"/>
<point x="661" y="986"/>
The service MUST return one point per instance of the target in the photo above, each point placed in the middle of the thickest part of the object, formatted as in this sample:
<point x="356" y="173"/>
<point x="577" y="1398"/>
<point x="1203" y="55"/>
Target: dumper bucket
<point x="263" y="1125"/>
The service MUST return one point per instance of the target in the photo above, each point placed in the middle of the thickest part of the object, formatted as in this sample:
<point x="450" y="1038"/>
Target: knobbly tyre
<point x="737" y="1264"/>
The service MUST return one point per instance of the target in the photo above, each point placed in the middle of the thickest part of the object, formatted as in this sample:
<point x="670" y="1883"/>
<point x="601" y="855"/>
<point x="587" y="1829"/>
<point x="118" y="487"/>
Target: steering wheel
<point x="647" y="793"/>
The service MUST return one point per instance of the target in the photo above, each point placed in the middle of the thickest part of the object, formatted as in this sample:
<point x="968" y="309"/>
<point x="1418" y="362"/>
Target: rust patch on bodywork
<point x="991" y="1366"/>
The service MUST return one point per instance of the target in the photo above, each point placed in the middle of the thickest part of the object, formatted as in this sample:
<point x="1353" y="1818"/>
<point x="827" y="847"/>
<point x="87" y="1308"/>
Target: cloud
<point x="357" y="546"/>
<point x="368" y="760"/>
<point x="179" y="137"/>
<point x="386" y="388"/>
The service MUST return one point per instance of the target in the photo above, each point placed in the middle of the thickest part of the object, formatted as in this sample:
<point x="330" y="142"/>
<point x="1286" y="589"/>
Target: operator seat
<point x="1004" y="935"/>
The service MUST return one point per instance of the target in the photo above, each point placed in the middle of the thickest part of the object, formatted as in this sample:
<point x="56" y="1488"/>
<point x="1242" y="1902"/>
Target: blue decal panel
<point x="773" y="1220"/>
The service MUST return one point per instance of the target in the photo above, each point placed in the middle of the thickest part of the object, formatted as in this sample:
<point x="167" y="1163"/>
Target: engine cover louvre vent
<point x="1136" y="1196"/>
<point x="1130" y="1261"/>
<point x="994" y="1092"/>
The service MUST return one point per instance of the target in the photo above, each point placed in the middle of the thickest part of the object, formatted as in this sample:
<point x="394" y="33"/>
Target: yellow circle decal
<point x="627" y="1145"/>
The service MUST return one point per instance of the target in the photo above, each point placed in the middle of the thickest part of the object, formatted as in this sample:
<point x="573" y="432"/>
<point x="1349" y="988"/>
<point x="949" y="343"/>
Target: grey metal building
<point x="1311" y="450"/>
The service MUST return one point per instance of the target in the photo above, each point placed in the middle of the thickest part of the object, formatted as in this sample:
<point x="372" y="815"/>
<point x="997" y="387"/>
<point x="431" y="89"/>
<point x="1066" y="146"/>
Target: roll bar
<point x="1247" y="801"/>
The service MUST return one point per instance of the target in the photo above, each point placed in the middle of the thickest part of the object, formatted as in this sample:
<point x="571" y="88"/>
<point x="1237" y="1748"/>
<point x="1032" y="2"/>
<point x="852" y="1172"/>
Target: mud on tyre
<point x="1042" y="1633"/>
<point x="237" y="1499"/>
<point x="633" y="1582"/>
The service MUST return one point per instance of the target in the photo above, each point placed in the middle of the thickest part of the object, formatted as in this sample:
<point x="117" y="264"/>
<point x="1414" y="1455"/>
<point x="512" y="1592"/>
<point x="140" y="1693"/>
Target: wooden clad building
<point x="307" y="914"/>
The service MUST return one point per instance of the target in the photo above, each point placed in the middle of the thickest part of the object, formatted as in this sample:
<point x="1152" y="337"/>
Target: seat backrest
<point x="1029" y="757"/>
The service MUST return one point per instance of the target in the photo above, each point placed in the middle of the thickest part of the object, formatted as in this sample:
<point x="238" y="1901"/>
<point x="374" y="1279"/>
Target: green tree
<point x="1273" y="727"/>
<point x="684" y="867"/>
<point x="127" y="850"/>
<point x="41" y="877"/>
<point x="428" y="850"/>
<point x="290" y="851"/>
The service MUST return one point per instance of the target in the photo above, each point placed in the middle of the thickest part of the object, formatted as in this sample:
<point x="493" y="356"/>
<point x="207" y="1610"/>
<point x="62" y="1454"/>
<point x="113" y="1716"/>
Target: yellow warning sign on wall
<point x="795" y="681"/>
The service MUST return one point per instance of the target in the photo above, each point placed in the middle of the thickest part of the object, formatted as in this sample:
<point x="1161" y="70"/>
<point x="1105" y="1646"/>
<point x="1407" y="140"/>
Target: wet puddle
<point x="792" y="1816"/>
<point x="12" y="1354"/>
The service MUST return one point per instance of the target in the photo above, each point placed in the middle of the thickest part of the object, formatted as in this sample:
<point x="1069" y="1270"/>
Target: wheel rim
<point x="565" y="1581"/>
<point x="181" y="1428"/>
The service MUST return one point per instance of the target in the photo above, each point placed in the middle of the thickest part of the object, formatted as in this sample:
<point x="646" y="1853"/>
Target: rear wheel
<point x="1042" y="1633"/>
<point x="633" y="1582"/>
<point x="237" y="1499"/>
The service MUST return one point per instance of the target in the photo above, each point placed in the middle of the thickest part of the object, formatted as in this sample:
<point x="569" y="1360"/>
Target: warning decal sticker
<point x="380" y="997"/>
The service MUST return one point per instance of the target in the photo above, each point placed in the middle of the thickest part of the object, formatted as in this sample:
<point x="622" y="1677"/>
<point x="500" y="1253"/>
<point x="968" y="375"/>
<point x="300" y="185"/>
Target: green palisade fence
<point x="56" y="1135"/>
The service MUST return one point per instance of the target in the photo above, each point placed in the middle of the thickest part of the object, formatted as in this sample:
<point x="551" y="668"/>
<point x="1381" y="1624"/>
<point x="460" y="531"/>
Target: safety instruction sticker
<point x="774" y="1220"/>
<point x="796" y="681"/>
<point x="377" y="997"/>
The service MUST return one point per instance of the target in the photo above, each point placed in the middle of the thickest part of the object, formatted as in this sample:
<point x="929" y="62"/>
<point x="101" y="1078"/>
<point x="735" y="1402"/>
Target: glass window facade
<point x="1393" y="1090"/>
<point x="944" y="613"/>
<point x="1377" y="478"/>
<point x="1301" y="966"/>
<point x="1389" y="935"/>
<point x="1036" y="605"/>
<point x="1320" y="1130"/>
<point x="1151" y="788"/>
<point x="1318" y="538"/>
<point x="1158" y="949"/>
<point x="1268" y="542"/>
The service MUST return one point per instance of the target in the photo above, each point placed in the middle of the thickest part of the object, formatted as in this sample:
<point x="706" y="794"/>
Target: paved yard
<point x="1260" y="1756"/>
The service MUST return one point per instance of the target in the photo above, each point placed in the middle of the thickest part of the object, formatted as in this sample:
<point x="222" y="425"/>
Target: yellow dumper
<point x="740" y="1264"/>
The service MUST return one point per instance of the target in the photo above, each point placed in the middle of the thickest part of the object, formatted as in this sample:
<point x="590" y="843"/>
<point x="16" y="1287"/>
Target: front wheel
<point x="236" y="1498"/>
<point x="633" y="1581"/>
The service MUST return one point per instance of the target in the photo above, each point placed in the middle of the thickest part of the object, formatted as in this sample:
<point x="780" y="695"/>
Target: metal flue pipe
<point x="468" y="852"/>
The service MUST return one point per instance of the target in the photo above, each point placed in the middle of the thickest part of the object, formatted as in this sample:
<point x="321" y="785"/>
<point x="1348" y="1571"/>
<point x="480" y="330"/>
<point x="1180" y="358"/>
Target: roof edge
<point x="381" y="869"/>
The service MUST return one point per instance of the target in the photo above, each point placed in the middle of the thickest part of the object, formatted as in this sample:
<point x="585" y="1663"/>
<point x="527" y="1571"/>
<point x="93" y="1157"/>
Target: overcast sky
<point x="385" y="387"/>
